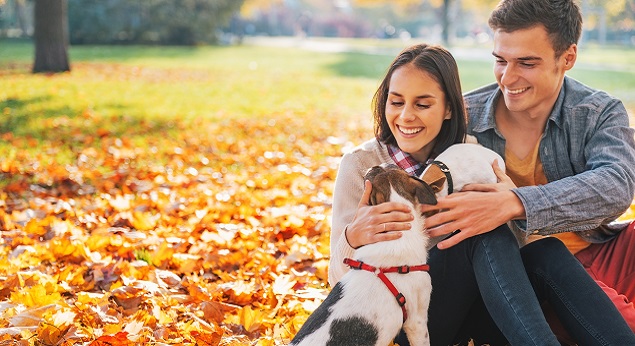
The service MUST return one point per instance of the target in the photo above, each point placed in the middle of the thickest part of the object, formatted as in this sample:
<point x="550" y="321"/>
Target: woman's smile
<point x="409" y="131"/>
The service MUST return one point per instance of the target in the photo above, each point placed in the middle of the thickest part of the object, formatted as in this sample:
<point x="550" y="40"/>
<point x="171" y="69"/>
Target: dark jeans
<point x="487" y="266"/>
<point x="488" y="270"/>
<point x="583" y="308"/>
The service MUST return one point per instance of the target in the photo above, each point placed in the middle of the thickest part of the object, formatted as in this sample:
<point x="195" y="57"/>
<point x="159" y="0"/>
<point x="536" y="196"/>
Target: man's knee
<point x="544" y="252"/>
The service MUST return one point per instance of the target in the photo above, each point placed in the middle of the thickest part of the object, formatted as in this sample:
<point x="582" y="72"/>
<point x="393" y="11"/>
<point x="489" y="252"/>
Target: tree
<point x="51" y="36"/>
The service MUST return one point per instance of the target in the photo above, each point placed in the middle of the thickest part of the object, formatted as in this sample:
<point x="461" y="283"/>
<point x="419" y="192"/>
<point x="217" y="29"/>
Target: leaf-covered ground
<point x="129" y="215"/>
<point x="171" y="232"/>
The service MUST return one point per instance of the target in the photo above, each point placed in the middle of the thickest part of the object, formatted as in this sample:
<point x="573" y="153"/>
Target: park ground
<point x="183" y="194"/>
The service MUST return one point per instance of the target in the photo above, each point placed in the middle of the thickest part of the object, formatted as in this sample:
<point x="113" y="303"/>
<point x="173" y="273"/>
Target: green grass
<point x="149" y="91"/>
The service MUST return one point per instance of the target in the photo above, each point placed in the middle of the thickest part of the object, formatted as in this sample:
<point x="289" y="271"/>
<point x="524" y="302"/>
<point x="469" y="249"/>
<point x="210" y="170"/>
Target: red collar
<point x="380" y="272"/>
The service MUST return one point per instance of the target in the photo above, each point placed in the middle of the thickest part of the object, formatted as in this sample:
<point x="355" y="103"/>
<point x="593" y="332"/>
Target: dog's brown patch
<point x="412" y="188"/>
<point x="434" y="177"/>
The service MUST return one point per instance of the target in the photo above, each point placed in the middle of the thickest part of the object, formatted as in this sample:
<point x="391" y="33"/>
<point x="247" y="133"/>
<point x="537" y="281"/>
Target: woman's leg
<point x="583" y="308"/>
<point x="489" y="264"/>
<point x="454" y="291"/>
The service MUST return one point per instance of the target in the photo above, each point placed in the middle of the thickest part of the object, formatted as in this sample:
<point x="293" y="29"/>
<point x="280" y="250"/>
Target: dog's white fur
<point x="365" y="295"/>
<point x="469" y="163"/>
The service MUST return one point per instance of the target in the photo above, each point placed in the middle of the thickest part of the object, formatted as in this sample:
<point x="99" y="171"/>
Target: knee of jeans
<point x="503" y="235"/>
<point x="543" y="252"/>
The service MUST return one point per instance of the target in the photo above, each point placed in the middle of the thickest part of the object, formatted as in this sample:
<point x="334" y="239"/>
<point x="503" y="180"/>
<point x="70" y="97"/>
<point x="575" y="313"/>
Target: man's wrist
<point x="514" y="206"/>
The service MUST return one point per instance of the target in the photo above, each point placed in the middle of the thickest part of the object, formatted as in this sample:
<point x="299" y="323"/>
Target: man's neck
<point x="522" y="130"/>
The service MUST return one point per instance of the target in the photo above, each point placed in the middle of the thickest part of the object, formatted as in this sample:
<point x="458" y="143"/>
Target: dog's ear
<point x="434" y="177"/>
<point x="381" y="190"/>
<point x="437" y="184"/>
<point x="425" y="193"/>
<point x="373" y="172"/>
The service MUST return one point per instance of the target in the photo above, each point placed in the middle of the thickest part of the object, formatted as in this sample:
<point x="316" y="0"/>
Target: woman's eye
<point x="396" y="104"/>
<point x="423" y="106"/>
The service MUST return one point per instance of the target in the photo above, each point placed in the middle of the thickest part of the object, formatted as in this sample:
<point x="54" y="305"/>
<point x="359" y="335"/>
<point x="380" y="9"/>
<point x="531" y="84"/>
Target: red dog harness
<point x="380" y="272"/>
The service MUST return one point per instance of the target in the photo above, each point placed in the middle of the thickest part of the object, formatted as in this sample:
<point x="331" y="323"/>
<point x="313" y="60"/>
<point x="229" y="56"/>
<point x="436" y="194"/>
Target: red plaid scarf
<point x="406" y="162"/>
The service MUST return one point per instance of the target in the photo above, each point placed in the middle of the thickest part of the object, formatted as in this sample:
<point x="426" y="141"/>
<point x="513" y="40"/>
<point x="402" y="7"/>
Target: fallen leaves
<point x="216" y="234"/>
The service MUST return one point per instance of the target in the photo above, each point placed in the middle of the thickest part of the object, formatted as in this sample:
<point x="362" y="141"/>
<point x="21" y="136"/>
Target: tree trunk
<point x="51" y="36"/>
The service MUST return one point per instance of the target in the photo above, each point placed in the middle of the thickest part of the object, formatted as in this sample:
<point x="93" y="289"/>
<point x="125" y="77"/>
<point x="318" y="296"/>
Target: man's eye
<point x="526" y="64"/>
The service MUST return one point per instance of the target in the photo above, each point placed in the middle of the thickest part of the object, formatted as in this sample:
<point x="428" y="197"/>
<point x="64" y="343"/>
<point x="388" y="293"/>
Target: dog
<point x="388" y="286"/>
<point x="459" y="165"/>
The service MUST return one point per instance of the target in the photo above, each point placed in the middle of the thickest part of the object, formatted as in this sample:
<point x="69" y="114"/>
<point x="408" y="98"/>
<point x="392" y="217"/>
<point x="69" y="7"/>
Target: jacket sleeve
<point x="348" y="190"/>
<point x="601" y="181"/>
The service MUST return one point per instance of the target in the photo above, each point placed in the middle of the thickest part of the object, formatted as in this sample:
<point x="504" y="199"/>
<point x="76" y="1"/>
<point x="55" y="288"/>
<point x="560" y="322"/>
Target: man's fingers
<point x="479" y="187"/>
<point x="451" y="241"/>
<point x="500" y="174"/>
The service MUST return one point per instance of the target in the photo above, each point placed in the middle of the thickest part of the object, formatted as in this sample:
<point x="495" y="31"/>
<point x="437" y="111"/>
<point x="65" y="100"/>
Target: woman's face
<point x="415" y="110"/>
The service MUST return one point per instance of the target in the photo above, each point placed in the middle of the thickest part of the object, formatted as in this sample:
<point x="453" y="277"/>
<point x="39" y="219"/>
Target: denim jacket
<point x="588" y="156"/>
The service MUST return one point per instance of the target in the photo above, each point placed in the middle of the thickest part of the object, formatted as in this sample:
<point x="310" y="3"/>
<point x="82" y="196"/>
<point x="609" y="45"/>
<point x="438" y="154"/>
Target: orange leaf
<point x="119" y="339"/>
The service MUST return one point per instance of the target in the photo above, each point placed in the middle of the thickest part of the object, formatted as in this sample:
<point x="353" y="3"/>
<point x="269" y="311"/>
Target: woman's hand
<point x="375" y="223"/>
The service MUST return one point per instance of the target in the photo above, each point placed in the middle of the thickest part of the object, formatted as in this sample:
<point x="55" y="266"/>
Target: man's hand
<point x="477" y="209"/>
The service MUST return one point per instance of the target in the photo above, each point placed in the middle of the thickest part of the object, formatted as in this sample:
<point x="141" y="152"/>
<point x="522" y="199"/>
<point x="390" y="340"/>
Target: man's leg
<point x="612" y="265"/>
<point x="579" y="303"/>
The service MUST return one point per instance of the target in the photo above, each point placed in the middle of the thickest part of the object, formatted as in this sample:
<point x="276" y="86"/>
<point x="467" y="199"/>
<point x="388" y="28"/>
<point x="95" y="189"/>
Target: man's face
<point x="527" y="70"/>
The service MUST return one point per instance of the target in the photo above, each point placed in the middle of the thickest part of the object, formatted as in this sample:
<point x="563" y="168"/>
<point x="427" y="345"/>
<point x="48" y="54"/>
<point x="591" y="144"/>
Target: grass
<point x="125" y="88"/>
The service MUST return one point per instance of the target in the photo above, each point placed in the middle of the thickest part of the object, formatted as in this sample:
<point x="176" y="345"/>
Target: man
<point x="569" y="150"/>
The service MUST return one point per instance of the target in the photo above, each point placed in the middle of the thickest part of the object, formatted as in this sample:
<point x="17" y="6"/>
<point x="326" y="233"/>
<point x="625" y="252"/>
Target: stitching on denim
<point x="487" y="253"/>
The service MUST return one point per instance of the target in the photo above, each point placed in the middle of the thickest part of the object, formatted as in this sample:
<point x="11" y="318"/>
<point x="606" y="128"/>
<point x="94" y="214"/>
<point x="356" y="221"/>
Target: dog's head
<point x="384" y="178"/>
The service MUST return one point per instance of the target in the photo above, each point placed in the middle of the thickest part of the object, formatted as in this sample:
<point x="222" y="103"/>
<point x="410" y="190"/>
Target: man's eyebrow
<point x="524" y="58"/>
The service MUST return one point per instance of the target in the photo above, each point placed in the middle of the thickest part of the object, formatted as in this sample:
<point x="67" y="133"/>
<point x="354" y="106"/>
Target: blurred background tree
<point x="193" y="22"/>
<point x="51" y="36"/>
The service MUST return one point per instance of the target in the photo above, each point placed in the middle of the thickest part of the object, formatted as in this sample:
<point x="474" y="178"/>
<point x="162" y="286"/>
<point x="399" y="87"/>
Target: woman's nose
<point x="407" y="114"/>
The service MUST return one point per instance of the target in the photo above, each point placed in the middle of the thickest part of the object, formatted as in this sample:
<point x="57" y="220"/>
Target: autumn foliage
<point x="129" y="227"/>
<point x="185" y="232"/>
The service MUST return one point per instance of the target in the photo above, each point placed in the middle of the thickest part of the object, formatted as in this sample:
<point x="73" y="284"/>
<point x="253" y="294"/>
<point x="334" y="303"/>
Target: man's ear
<point x="570" y="56"/>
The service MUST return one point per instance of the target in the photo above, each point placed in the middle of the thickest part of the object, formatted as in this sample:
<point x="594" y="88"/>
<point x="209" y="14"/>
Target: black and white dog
<point x="368" y="305"/>
<point x="389" y="286"/>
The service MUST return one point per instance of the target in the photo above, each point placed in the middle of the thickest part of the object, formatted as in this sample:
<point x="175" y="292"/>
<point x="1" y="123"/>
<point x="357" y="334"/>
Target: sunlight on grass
<point x="142" y="91"/>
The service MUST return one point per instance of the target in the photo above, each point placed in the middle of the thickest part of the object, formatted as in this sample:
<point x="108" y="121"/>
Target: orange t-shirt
<point x="529" y="172"/>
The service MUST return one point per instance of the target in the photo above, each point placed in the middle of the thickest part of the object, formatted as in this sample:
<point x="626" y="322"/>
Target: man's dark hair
<point x="561" y="18"/>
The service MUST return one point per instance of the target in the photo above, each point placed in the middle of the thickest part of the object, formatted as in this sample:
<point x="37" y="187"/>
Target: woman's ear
<point x="448" y="113"/>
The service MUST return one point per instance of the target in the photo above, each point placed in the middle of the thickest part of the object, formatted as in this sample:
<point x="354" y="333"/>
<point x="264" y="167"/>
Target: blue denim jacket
<point x="588" y="156"/>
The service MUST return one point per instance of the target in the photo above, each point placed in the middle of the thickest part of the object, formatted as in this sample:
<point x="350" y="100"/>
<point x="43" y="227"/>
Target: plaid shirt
<point x="405" y="161"/>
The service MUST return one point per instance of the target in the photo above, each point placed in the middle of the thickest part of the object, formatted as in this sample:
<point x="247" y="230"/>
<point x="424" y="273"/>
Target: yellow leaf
<point x="143" y="221"/>
<point x="35" y="296"/>
<point x="250" y="319"/>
